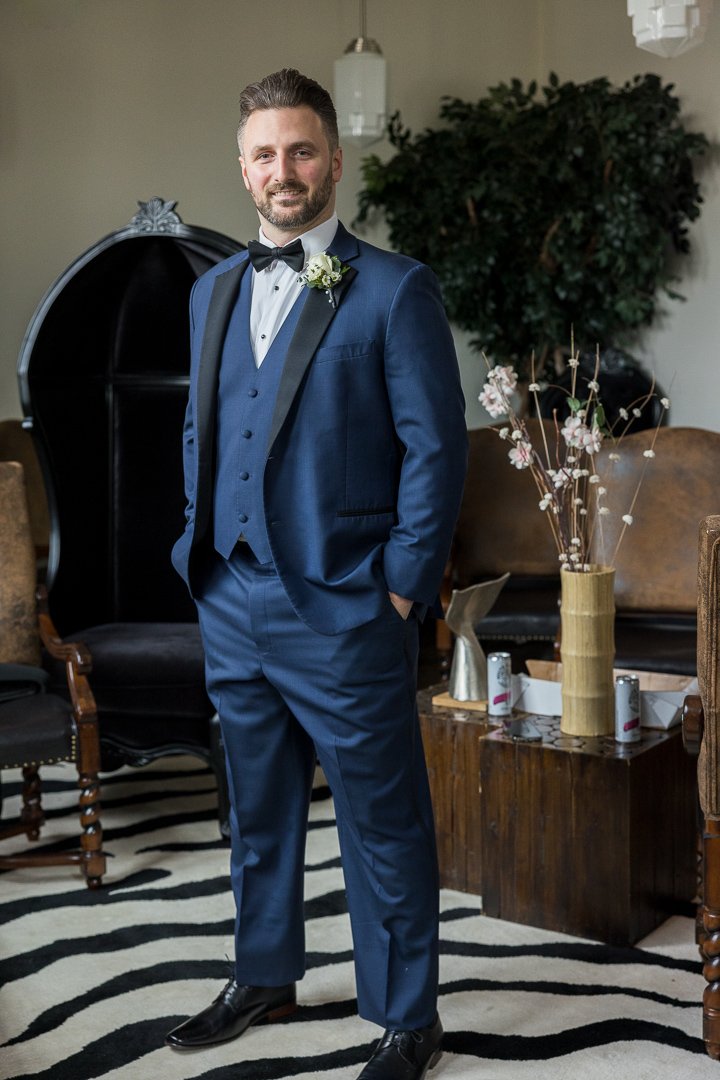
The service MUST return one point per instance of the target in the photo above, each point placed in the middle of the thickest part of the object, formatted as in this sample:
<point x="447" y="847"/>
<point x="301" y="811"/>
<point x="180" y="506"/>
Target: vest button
<point x="252" y="393"/>
<point x="246" y="434"/>
<point x="243" y="518"/>
<point x="244" y="475"/>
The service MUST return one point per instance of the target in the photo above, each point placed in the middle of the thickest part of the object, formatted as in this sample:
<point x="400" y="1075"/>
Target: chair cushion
<point x="36" y="730"/>
<point x="146" y="668"/>
<point x="656" y="642"/>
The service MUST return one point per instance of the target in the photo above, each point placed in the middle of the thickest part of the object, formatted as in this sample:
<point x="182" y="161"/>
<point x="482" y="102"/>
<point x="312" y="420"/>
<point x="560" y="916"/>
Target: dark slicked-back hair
<point x="288" y="89"/>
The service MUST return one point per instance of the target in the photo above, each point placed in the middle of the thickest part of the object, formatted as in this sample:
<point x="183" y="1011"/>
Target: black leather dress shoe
<point x="231" y="1013"/>
<point x="405" y="1055"/>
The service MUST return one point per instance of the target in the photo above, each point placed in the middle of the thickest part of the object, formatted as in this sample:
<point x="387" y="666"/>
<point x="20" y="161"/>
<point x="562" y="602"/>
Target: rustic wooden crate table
<point x="577" y="835"/>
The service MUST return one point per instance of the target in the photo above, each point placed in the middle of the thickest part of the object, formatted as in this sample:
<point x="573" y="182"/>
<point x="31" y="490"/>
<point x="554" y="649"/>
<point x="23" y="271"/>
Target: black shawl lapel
<point x="222" y="302"/>
<point x="316" y="316"/>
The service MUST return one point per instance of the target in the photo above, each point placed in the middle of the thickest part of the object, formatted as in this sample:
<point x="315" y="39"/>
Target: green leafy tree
<point x="540" y="210"/>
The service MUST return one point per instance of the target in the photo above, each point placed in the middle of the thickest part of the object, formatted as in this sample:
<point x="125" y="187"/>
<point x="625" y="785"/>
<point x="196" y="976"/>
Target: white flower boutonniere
<point x="323" y="271"/>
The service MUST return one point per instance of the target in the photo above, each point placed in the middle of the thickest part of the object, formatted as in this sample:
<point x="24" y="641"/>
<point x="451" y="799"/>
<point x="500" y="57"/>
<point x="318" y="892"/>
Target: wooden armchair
<point x="38" y="728"/>
<point x="701" y="732"/>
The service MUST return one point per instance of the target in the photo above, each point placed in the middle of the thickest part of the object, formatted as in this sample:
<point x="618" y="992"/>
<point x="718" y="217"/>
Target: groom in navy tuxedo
<point x="325" y="452"/>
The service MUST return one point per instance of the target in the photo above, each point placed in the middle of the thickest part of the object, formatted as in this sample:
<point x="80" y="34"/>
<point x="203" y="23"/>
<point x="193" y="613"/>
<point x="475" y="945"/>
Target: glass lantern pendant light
<point x="360" y="89"/>
<point x="669" y="27"/>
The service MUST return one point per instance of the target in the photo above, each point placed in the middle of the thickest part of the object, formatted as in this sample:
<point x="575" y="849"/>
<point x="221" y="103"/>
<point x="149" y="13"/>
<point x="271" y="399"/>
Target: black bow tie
<point x="261" y="255"/>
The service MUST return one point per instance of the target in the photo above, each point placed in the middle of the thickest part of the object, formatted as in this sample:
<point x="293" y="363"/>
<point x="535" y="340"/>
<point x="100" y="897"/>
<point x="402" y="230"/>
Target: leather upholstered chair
<point x="701" y="732"/>
<point x="39" y="728"/>
<point x="104" y="374"/>
<point x="500" y="529"/>
<point x="656" y="567"/>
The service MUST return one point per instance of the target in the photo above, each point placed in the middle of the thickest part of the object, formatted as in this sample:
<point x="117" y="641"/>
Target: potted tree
<point x="543" y="209"/>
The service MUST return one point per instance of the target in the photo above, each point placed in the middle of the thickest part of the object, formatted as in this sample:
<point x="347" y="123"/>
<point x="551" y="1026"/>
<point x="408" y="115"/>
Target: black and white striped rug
<point x="90" y="982"/>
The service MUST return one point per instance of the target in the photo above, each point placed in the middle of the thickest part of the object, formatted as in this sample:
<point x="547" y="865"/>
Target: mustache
<point x="293" y="188"/>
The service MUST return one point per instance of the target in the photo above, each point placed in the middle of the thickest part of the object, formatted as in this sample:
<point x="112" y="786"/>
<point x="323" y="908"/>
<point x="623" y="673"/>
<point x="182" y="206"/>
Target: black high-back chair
<point x="103" y="376"/>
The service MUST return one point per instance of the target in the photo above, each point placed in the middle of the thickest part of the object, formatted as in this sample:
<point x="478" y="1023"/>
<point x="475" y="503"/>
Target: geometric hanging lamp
<point x="360" y="89"/>
<point x="669" y="27"/>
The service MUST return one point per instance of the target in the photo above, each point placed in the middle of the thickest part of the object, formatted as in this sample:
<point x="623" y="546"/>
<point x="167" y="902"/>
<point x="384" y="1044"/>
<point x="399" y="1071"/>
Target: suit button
<point x="244" y="476"/>
<point x="246" y="434"/>
<point x="243" y="518"/>
<point x="252" y="393"/>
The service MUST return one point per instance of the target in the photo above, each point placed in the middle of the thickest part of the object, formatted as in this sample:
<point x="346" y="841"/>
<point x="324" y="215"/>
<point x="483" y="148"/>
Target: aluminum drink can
<point x="499" y="684"/>
<point x="627" y="709"/>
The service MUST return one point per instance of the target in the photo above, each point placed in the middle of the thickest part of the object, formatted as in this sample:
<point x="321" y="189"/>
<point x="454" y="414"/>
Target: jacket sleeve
<point x="428" y="410"/>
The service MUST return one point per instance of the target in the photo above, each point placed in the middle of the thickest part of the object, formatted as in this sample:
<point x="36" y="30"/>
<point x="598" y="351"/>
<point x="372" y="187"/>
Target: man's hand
<point x="401" y="604"/>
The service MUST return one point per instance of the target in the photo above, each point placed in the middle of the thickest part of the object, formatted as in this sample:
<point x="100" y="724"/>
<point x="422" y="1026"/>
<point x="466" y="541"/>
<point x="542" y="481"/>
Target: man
<point x="325" y="453"/>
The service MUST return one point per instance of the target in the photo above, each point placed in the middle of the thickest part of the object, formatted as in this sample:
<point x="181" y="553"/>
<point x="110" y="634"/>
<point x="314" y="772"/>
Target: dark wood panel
<point x="575" y="835"/>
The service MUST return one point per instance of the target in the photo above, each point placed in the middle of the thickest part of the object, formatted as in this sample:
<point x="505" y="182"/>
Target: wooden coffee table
<point x="578" y="835"/>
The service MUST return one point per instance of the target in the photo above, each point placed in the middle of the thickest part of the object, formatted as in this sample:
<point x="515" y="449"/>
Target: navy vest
<point x="246" y="402"/>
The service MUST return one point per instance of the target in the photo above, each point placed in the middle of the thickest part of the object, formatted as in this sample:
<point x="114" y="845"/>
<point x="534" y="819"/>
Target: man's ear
<point x="337" y="164"/>
<point x="244" y="172"/>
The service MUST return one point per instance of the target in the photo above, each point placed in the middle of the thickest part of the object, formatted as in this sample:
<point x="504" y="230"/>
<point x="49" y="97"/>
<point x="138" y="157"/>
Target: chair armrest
<point x="693" y="723"/>
<point x="77" y="659"/>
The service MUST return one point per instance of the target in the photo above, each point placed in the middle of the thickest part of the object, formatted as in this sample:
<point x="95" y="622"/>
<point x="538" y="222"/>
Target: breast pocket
<point x="349" y="350"/>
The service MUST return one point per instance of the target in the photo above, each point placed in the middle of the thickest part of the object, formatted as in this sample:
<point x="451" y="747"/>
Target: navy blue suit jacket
<point x="366" y="458"/>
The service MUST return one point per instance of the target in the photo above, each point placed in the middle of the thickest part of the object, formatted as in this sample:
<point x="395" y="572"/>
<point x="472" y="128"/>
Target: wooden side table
<point x="577" y="835"/>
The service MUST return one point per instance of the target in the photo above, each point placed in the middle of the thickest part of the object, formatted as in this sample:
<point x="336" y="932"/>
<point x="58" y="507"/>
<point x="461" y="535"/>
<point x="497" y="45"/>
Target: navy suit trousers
<point x="285" y="693"/>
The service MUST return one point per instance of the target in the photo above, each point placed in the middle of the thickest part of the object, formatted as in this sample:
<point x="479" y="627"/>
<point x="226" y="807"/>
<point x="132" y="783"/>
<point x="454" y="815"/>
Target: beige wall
<point x="103" y="102"/>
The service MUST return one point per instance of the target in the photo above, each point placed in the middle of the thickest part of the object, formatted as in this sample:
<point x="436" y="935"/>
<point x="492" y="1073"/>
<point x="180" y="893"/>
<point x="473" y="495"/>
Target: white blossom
<point x="516" y="435"/>
<point x="628" y="519"/>
<point x="603" y="510"/>
<point x="534" y="388"/>
<point x="637" y="412"/>
<point x="594" y="385"/>
<point x="623" y="414"/>
<point x="601" y="491"/>
<point x="504" y="377"/>
<point x="594" y="479"/>
<point x="614" y="456"/>
<point x="504" y="432"/>
<point x="665" y="402"/>
<point x="573" y="362"/>
<point x="521" y="455"/>
<point x="583" y="511"/>
<point x="648" y="453"/>
<point x="492" y="401"/>
<point x="577" y="434"/>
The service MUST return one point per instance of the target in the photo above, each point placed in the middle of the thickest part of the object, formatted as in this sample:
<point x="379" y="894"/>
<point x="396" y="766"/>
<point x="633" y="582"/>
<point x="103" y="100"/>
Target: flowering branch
<point x="564" y="479"/>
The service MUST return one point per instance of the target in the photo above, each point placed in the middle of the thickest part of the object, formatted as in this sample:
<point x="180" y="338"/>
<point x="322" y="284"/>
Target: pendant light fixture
<point x="669" y="27"/>
<point x="360" y="89"/>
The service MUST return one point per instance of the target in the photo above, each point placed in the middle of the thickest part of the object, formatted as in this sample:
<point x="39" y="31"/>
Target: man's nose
<point x="284" y="168"/>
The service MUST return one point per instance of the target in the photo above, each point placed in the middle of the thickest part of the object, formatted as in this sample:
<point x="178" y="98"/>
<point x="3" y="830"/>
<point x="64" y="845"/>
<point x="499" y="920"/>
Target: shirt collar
<point x="314" y="240"/>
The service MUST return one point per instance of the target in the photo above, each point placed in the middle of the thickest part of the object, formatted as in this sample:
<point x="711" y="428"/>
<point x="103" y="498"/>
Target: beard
<point x="301" y="213"/>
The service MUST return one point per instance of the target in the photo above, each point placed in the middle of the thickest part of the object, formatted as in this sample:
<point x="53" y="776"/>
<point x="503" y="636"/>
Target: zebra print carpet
<point x="90" y="982"/>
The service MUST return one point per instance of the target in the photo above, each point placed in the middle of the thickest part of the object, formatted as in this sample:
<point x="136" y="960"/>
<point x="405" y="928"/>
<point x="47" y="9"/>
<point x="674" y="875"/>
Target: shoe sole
<point x="432" y="1063"/>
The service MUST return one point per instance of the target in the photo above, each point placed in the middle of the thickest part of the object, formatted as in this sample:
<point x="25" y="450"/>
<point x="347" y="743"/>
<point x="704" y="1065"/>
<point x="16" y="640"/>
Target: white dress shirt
<point x="276" y="288"/>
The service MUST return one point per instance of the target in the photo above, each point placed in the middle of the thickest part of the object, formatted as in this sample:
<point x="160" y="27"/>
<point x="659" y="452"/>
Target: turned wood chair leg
<point x="93" y="862"/>
<point x="710" y="945"/>
<point x="31" y="814"/>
